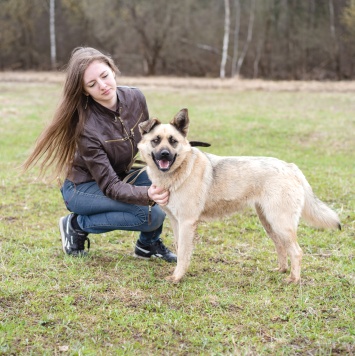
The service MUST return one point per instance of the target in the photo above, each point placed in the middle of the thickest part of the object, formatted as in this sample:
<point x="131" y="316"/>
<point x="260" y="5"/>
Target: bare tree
<point x="52" y="33"/>
<point x="222" y="72"/>
<point x="152" y="34"/>
<point x="236" y="37"/>
<point x="249" y="38"/>
<point x="259" y="48"/>
<point x="335" y="54"/>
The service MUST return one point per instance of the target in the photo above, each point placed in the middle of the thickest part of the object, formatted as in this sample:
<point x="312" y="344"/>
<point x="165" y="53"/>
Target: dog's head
<point x="165" y="144"/>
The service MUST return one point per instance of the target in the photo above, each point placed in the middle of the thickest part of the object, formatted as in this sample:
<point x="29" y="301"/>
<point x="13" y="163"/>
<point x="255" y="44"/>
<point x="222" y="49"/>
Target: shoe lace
<point x="81" y="238"/>
<point x="161" y="246"/>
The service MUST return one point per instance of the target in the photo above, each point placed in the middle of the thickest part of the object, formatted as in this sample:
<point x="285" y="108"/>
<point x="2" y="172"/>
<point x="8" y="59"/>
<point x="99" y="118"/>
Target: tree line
<point x="270" y="39"/>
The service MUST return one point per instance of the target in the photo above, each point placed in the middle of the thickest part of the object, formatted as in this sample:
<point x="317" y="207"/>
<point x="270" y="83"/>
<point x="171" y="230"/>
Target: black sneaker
<point x="73" y="241"/>
<point x="157" y="249"/>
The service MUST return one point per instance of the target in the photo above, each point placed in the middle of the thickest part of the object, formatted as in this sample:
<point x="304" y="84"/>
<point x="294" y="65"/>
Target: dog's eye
<point x="156" y="140"/>
<point x="172" y="140"/>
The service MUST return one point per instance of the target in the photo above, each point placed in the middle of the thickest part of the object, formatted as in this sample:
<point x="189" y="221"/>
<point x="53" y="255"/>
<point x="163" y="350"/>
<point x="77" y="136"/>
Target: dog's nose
<point x="164" y="154"/>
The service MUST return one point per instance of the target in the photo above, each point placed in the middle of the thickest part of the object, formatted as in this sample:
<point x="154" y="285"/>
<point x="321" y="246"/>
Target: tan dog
<point x="204" y="186"/>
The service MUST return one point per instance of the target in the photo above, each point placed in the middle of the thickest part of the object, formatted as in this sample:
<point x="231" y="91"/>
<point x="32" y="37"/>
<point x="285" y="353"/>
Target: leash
<point x="138" y="172"/>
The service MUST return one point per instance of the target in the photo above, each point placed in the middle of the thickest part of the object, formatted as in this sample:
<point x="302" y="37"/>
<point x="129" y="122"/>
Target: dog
<point x="204" y="186"/>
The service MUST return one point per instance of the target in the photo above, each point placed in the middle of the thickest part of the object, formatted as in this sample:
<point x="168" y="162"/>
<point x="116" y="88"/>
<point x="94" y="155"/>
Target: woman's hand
<point x="159" y="195"/>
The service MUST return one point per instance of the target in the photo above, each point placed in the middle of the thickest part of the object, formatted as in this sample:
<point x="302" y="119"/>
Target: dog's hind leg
<point x="281" y="225"/>
<point x="295" y="253"/>
<point x="280" y="248"/>
<point x="185" y="244"/>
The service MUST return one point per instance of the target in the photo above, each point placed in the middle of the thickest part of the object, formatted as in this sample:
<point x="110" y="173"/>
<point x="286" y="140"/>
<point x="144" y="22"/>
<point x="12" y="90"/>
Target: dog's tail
<point x="317" y="213"/>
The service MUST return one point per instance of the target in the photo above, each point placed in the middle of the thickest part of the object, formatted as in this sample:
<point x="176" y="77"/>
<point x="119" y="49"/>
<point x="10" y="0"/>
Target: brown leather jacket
<point x="108" y="144"/>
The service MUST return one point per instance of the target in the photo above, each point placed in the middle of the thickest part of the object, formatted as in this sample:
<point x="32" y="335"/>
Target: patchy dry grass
<point x="236" y="84"/>
<point x="231" y="301"/>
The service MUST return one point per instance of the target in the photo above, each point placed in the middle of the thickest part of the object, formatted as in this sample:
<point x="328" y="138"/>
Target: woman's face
<point x="99" y="82"/>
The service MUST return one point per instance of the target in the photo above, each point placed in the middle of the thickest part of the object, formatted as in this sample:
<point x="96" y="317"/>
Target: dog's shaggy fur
<point x="204" y="186"/>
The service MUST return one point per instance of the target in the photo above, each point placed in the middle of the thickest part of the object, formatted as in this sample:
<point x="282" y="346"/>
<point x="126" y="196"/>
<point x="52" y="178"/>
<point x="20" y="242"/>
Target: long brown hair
<point x="55" y="147"/>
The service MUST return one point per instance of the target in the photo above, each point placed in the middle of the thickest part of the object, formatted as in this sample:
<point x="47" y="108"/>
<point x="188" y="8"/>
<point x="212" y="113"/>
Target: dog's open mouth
<point x="164" y="163"/>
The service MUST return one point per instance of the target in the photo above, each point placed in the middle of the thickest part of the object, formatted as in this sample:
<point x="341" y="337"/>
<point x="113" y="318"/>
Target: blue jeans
<point x="98" y="214"/>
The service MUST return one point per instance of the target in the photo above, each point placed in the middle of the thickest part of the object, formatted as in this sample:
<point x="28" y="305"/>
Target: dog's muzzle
<point x="164" y="160"/>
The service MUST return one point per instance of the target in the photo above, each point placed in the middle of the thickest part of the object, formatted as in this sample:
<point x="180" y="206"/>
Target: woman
<point x="91" y="142"/>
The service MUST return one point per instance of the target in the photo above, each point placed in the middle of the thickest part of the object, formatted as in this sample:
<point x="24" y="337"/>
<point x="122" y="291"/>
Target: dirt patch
<point x="197" y="83"/>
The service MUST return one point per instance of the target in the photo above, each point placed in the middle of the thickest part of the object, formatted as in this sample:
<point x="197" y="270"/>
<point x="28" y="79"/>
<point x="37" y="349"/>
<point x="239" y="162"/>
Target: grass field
<point x="231" y="302"/>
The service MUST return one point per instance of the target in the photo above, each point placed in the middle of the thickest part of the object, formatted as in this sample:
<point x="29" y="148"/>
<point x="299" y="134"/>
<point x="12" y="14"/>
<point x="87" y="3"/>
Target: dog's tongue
<point x="163" y="164"/>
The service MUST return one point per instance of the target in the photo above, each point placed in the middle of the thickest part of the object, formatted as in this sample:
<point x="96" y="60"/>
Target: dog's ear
<point x="147" y="126"/>
<point x="181" y="121"/>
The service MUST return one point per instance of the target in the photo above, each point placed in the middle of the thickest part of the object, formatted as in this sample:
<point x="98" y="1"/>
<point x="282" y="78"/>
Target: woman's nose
<point x="101" y="83"/>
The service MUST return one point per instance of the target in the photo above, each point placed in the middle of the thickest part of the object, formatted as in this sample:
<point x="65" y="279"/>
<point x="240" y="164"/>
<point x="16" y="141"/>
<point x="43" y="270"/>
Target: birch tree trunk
<point x="222" y="72"/>
<point x="236" y="37"/>
<point x="249" y="38"/>
<point x="52" y="33"/>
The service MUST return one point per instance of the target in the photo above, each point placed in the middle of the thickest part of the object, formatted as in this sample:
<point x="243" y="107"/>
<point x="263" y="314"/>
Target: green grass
<point x="231" y="302"/>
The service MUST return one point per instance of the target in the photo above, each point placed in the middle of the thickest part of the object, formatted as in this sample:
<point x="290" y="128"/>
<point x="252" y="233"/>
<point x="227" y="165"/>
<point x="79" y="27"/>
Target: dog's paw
<point x="281" y="269"/>
<point x="173" y="279"/>
<point x="292" y="280"/>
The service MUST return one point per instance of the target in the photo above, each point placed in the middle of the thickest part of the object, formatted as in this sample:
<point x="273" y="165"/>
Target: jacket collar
<point x="97" y="107"/>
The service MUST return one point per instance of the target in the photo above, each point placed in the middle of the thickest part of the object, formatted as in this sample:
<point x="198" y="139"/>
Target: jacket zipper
<point x="118" y="139"/>
<point x="138" y="121"/>
<point x="124" y="128"/>
<point x="128" y="137"/>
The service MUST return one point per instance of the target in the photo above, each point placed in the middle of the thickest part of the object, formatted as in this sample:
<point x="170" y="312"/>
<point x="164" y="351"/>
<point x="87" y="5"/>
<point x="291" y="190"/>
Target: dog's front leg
<point x="175" y="227"/>
<point x="187" y="230"/>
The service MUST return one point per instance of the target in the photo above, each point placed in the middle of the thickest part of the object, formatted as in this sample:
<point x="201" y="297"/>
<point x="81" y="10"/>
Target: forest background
<point x="267" y="39"/>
